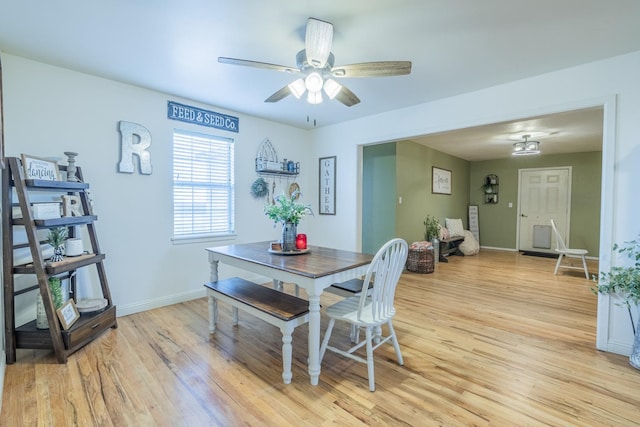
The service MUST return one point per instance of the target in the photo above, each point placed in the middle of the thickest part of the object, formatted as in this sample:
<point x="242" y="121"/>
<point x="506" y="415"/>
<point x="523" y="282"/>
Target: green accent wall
<point x="498" y="223"/>
<point x="413" y="184"/>
<point x="402" y="170"/>
<point x="378" y="196"/>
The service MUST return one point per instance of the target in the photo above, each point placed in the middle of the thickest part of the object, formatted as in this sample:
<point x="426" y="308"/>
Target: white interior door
<point x="543" y="194"/>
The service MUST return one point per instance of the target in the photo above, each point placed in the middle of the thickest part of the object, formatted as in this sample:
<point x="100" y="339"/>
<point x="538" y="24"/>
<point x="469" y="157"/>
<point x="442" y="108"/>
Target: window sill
<point x="185" y="240"/>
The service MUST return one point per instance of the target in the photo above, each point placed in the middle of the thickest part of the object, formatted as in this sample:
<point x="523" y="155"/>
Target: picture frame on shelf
<point x="68" y="314"/>
<point x="327" y="183"/>
<point x="440" y="181"/>
<point x="39" y="168"/>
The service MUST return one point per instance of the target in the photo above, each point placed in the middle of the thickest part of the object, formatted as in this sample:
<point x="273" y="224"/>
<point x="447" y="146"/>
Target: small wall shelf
<point x="490" y="188"/>
<point x="267" y="162"/>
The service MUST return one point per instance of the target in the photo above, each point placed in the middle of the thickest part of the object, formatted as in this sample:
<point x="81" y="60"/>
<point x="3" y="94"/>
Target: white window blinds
<point x="203" y="186"/>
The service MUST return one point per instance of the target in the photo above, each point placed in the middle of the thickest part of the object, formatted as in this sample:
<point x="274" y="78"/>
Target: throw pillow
<point x="444" y="233"/>
<point x="470" y="246"/>
<point x="454" y="226"/>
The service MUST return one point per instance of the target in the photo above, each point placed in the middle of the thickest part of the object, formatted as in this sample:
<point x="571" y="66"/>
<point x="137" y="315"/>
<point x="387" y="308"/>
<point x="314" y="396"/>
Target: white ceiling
<point x="455" y="46"/>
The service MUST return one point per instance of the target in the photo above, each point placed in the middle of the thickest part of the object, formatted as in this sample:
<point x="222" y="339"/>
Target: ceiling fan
<point x="316" y="70"/>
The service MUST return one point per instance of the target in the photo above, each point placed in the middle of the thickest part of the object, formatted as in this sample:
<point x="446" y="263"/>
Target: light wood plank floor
<point x="494" y="339"/>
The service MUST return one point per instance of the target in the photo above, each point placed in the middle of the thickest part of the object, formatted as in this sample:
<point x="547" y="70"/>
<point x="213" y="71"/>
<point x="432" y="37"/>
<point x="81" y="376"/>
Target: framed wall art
<point x="440" y="181"/>
<point x="68" y="314"/>
<point x="37" y="168"/>
<point x="327" y="190"/>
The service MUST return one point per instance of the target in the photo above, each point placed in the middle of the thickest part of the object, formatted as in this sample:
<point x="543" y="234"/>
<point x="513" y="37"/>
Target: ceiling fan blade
<point x="256" y="64"/>
<point x="373" y="69"/>
<point x="317" y="42"/>
<point x="282" y="93"/>
<point x="347" y="97"/>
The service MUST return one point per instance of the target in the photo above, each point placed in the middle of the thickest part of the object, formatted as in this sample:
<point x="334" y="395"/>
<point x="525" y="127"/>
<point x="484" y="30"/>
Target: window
<point x="203" y="186"/>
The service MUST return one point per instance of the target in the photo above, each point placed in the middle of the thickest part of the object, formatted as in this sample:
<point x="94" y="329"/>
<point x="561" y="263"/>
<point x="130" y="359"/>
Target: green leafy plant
<point x="623" y="281"/>
<point x="57" y="236"/>
<point x="55" y="285"/>
<point x="432" y="228"/>
<point x="286" y="209"/>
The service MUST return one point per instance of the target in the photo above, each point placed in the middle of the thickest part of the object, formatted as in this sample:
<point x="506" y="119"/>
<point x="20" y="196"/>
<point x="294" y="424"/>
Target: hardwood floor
<point x="494" y="339"/>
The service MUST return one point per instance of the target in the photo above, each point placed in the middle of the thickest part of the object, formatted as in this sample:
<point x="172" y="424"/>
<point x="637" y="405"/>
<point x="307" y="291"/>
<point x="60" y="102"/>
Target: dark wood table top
<point x="318" y="262"/>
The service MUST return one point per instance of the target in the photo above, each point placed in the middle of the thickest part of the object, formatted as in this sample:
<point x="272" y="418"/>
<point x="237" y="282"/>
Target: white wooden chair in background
<point x="373" y="309"/>
<point x="563" y="251"/>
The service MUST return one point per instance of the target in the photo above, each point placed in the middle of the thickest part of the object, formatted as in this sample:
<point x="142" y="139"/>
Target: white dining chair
<point x="563" y="251"/>
<point x="373" y="309"/>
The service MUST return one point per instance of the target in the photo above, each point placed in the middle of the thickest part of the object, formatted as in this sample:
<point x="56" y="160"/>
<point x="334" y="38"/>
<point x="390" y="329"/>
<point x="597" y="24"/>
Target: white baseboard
<point x="3" y="366"/>
<point x="126" y="309"/>
<point x="499" y="249"/>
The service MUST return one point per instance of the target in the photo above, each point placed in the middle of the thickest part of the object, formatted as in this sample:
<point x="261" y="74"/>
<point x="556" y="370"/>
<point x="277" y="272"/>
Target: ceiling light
<point x="297" y="88"/>
<point x="332" y="88"/>
<point x="526" y="147"/>
<point x="314" y="97"/>
<point x="516" y="136"/>
<point x="313" y="82"/>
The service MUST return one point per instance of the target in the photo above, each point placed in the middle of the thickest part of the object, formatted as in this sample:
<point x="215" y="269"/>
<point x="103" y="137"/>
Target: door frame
<point x="567" y="219"/>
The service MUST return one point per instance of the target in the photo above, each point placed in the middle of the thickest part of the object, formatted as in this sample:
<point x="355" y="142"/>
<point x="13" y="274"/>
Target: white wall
<point x="49" y="110"/>
<point x="612" y="82"/>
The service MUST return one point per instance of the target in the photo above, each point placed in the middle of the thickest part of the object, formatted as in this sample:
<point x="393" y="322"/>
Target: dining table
<point x="313" y="269"/>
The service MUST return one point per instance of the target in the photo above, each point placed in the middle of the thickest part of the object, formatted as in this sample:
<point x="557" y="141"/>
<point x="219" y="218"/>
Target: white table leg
<point x="213" y="314"/>
<point x="213" y="305"/>
<point x="286" y="329"/>
<point x="314" y="338"/>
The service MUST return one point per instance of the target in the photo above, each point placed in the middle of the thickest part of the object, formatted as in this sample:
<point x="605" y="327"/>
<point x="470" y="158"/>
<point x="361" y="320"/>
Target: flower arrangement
<point x="287" y="210"/>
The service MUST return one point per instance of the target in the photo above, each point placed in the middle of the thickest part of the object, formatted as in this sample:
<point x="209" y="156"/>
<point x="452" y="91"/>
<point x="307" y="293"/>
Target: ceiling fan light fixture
<point x="297" y="88"/>
<point x="314" y="97"/>
<point x="313" y="82"/>
<point x="524" y="148"/>
<point x="332" y="88"/>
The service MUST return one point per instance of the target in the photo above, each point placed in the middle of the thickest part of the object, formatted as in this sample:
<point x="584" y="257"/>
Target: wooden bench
<point x="277" y="308"/>
<point x="450" y="247"/>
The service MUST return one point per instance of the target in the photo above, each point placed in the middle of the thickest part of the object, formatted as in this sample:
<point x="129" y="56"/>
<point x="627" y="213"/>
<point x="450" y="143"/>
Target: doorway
<point x="543" y="194"/>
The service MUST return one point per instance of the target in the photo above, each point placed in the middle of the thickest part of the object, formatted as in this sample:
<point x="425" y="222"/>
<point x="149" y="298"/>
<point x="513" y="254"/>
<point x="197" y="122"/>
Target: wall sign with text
<point x="327" y="186"/>
<point x="198" y="116"/>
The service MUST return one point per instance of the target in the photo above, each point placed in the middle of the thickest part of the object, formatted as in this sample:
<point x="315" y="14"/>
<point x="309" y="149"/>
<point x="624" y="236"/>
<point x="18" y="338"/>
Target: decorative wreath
<point x="259" y="188"/>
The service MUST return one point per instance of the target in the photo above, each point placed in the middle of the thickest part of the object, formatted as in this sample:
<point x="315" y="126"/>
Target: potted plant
<point x="432" y="228"/>
<point x="625" y="282"/>
<point x="56" y="238"/>
<point x="432" y="234"/>
<point x="289" y="212"/>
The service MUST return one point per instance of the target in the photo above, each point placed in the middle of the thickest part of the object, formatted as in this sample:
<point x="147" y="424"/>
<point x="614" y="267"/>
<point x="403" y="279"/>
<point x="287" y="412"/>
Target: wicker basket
<point x="420" y="258"/>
